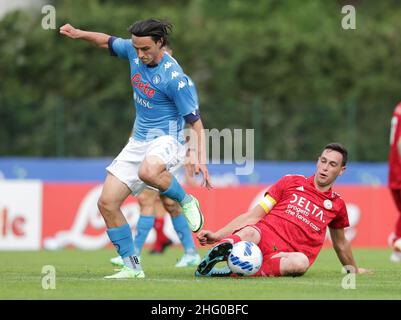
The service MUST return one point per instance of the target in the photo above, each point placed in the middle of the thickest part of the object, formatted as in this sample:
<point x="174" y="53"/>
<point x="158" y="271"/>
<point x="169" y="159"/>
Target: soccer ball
<point x="245" y="258"/>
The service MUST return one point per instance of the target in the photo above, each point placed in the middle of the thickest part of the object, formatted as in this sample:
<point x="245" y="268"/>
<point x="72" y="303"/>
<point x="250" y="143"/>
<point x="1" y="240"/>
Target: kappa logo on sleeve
<point x="167" y="65"/>
<point x="174" y="75"/>
<point x="181" y="85"/>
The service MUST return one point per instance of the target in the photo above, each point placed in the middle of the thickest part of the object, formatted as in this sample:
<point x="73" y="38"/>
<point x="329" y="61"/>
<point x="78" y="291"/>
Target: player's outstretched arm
<point x="343" y="250"/>
<point x="100" y="39"/>
<point x="200" y="157"/>
<point x="247" y="218"/>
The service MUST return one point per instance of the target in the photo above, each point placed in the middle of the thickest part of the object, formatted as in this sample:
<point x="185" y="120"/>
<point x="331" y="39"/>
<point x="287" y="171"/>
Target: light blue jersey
<point x="163" y="95"/>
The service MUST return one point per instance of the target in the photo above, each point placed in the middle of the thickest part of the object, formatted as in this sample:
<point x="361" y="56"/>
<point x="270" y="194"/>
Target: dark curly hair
<point x="158" y="30"/>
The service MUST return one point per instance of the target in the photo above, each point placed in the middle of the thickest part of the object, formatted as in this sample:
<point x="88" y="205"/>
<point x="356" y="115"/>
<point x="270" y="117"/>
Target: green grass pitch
<point x="79" y="275"/>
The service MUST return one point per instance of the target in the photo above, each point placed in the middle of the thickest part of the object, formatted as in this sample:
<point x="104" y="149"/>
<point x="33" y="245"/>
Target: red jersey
<point x="394" y="159"/>
<point x="301" y="213"/>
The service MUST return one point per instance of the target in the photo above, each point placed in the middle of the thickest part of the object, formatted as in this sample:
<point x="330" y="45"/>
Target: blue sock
<point x="176" y="192"/>
<point x="121" y="237"/>
<point x="145" y="223"/>
<point x="184" y="233"/>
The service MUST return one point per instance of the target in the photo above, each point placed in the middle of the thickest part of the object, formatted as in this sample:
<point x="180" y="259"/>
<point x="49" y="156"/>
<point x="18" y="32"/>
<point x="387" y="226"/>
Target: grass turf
<point x="79" y="275"/>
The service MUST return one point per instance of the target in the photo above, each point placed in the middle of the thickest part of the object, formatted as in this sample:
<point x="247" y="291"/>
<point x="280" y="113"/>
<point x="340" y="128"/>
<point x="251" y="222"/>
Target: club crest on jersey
<point x="156" y="79"/>
<point x="328" y="204"/>
<point x="136" y="81"/>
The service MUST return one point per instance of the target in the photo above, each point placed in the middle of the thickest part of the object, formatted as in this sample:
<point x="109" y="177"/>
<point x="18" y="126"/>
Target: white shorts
<point x="125" y="166"/>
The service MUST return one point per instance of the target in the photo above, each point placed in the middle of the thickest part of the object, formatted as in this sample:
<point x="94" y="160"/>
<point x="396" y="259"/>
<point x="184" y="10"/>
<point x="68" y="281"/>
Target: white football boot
<point x="127" y="273"/>
<point x="188" y="260"/>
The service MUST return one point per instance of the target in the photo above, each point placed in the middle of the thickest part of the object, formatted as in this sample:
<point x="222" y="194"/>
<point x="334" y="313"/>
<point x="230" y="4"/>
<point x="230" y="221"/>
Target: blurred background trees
<point x="285" y="68"/>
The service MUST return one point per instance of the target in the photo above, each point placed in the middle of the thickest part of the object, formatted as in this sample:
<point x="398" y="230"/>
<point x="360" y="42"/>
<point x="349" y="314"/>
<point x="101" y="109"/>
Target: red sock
<point x="160" y="236"/>
<point x="270" y="266"/>
<point x="158" y="224"/>
<point x="232" y="239"/>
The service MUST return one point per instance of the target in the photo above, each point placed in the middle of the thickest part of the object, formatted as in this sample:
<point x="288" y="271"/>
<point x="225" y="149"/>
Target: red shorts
<point x="270" y="242"/>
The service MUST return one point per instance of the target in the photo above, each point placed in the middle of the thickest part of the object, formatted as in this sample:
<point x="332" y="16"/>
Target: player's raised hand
<point x="194" y="167"/>
<point x="206" y="182"/>
<point x="206" y="237"/>
<point x="69" y="31"/>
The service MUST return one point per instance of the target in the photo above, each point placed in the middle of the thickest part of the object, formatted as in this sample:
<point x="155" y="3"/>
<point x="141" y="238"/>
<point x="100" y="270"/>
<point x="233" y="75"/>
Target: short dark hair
<point x="339" y="148"/>
<point x="158" y="30"/>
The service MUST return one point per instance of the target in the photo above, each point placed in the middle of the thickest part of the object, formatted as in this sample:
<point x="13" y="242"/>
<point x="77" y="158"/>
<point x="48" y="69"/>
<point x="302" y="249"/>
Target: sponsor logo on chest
<point x="308" y="207"/>
<point x="142" y="102"/>
<point x="142" y="86"/>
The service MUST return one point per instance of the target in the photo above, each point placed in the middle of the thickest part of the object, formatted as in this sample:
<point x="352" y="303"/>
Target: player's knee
<point x="106" y="206"/>
<point x="147" y="175"/>
<point x="249" y="234"/>
<point x="299" y="264"/>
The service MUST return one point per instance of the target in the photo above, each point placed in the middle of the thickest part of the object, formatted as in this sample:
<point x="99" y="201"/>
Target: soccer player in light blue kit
<point x="165" y="98"/>
<point x="150" y="207"/>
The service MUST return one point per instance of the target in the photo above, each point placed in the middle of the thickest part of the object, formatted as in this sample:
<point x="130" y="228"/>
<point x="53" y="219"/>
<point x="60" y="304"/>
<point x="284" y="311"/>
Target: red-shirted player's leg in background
<point x="162" y="241"/>
<point x="397" y="200"/>
<point x="396" y="239"/>
<point x="398" y="228"/>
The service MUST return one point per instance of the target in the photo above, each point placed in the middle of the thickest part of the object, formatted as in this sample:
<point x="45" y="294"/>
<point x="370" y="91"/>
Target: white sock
<point x="132" y="262"/>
